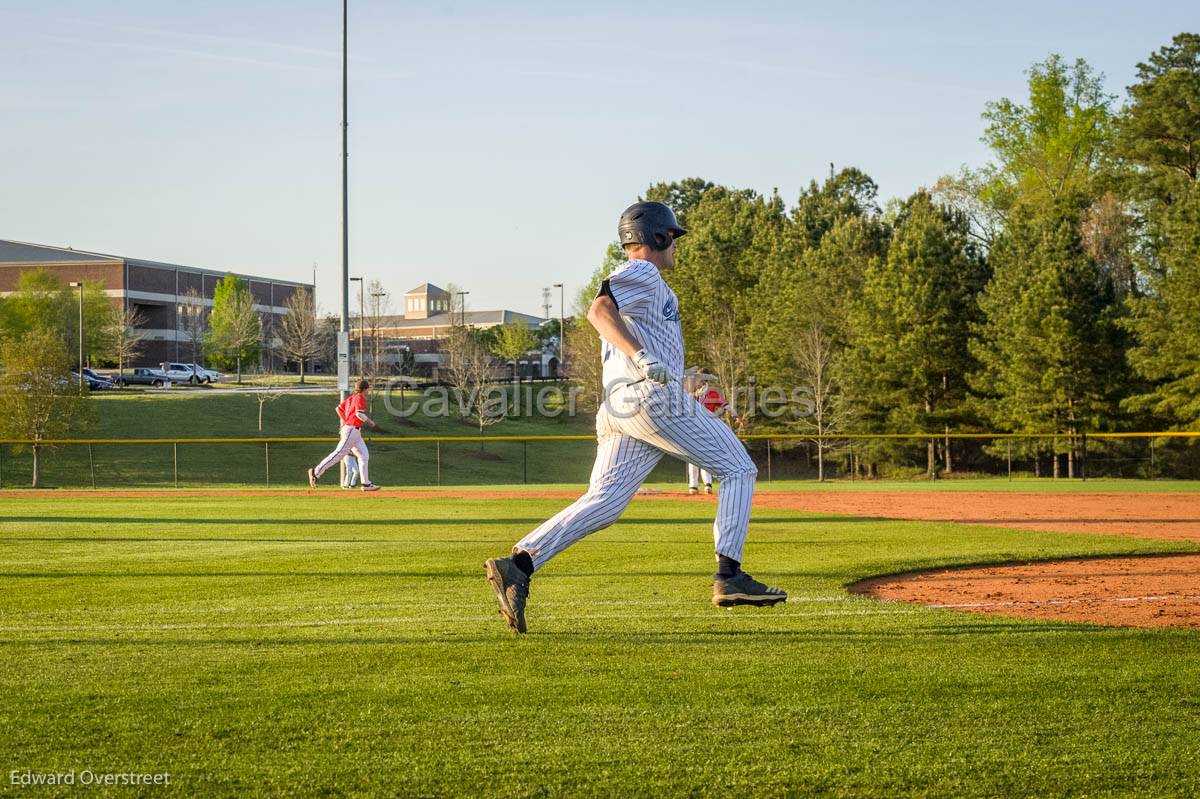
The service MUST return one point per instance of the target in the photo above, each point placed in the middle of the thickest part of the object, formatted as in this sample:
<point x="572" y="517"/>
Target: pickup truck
<point x="143" y="377"/>
<point x="206" y="375"/>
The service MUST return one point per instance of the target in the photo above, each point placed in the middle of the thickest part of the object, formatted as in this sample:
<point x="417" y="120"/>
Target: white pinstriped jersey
<point x="651" y="310"/>
<point x="662" y="420"/>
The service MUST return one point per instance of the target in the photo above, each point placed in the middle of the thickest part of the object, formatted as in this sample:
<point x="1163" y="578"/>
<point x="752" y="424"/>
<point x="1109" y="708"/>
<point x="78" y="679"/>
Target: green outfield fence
<point x="103" y="463"/>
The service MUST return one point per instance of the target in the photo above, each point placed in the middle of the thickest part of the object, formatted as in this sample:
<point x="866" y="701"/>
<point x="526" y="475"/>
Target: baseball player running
<point x="353" y="413"/>
<point x="646" y="413"/>
<point x="351" y="464"/>
<point x="694" y="475"/>
<point x="713" y="401"/>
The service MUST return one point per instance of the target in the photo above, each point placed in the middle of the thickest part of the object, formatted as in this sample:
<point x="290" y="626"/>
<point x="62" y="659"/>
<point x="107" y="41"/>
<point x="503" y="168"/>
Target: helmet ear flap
<point x="662" y="241"/>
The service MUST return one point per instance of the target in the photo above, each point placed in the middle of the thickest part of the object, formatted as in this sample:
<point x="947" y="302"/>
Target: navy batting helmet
<point x="652" y="224"/>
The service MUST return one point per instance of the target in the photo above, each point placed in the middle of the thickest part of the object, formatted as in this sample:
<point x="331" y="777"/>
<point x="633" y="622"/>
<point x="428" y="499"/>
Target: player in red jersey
<point x="714" y="402"/>
<point x="353" y="413"/>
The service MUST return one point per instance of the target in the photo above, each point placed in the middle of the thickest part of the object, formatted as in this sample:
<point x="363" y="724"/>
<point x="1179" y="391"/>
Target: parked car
<point x="142" y="376"/>
<point x="188" y="373"/>
<point x="93" y="383"/>
<point x="93" y="375"/>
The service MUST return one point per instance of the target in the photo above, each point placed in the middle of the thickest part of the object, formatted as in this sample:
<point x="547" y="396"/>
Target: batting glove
<point x="650" y="367"/>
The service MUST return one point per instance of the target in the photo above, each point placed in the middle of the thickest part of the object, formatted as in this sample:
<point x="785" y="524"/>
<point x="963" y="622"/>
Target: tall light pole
<point x="345" y="320"/>
<point x="79" y="285"/>
<point x="562" y="332"/>
<point x="462" y="308"/>
<point x="359" y="280"/>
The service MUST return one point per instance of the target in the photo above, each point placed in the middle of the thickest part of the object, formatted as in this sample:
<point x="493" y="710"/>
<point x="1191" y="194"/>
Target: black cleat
<point x="512" y="590"/>
<point x="742" y="589"/>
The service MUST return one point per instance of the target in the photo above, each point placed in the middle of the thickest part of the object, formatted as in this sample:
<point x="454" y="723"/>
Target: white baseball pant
<point x="350" y="440"/>
<point x="351" y="464"/>
<point x="636" y="426"/>
<point x="696" y="475"/>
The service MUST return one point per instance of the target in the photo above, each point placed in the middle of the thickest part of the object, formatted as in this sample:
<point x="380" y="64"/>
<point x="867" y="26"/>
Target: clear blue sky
<point x="492" y="144"/>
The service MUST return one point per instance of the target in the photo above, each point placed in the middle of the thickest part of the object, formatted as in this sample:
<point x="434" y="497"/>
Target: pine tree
<point x="909" y="354"/>
<point x="813" y="272"/>
<point x="1050" y="353"/>
<point x="1166" y="323"/>
<point x="730" y="235"/>
<point x="1159" y="143"/>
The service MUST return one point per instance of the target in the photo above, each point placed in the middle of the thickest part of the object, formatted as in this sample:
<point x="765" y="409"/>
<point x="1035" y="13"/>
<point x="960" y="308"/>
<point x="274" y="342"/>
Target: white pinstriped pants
<point x="634" y="429"/>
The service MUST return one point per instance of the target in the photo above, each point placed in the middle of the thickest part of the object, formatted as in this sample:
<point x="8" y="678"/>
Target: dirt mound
<point x="1151" y="591"/>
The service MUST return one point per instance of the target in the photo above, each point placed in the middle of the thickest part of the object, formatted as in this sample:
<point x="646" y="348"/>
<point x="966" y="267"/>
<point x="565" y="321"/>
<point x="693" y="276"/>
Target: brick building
<point x="428" y="316"/>
<point x="156" y="289"/>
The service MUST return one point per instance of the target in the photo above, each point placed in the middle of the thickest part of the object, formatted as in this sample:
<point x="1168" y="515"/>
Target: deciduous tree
<point x="724" y="350"/>
<point x="234" y="328"/>
<point x="512" y="341"/>
<point x="377" y="309"/>
<point x="192" y="318"/>
<point x="125" y="336"/>
<point x="42" y="303"/>
<point x="1055" y="143"/>
<point x="299" y="329"/>
<point x="37" y="400"/>
<point x="471" y="370"/>
<point x="815" y="353"/>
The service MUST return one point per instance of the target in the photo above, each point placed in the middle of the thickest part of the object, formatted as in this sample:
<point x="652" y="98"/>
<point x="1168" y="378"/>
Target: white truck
<point x="189" y="373"/>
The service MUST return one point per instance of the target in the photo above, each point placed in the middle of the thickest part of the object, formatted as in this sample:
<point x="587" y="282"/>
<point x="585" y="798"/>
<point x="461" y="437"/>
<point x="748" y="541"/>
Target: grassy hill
<point x="222" y="414"/>
<point x="205" y="413"/>
<point x="219" y="414"/>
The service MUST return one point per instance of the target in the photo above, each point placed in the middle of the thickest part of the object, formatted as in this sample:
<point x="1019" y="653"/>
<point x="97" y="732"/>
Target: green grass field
<point x="341" y="645"/>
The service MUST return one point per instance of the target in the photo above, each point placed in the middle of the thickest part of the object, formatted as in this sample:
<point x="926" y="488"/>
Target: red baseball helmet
<point x="713" y="399"/>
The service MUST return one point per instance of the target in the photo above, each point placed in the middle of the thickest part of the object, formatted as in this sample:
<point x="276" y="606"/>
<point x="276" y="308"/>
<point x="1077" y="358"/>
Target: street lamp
<point x="79" y="285"/>
<point x="462" y="308"/>
<point x="562" y="332"/>
<point x="361" y="329"/>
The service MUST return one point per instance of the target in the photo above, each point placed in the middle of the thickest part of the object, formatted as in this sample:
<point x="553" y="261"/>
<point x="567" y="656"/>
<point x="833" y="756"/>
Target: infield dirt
<point x="1161" y="591"/>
